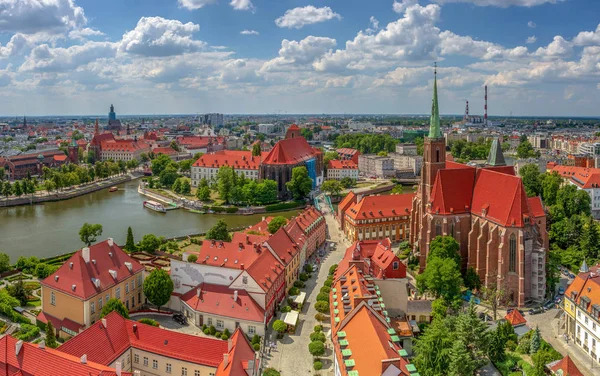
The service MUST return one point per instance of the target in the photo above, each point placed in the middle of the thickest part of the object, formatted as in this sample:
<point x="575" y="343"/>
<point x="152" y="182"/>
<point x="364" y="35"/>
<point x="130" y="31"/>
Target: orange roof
<point x="233" y="158"/>
<point x="351" y="288"/>
<point x="239" y="253"/>
<point x="515" y="318"/>
<point x="60" y="158"/>
<point x="32" y="360"/>
<point x="241" y="359"/>
<point x="261" y="227"/>
<point x="536" y="208"/>
<point x="346" y="164"/>
<point x="266" y="270"/>
<point x="347" y="152"/>
<point x="78" y="278"/>
<point x="371" y="207"/>
<point x="104" y="344"/>
<point x="350" y="198"/>
<point x="308" y="217"/>
<point x="291" y="151"/>
<point x="565" y="367"/>
<point x="585" y="292"/>
<point x="166" y="151"/>
<point x="282" y="244"/>
<point x="583" y="177"/>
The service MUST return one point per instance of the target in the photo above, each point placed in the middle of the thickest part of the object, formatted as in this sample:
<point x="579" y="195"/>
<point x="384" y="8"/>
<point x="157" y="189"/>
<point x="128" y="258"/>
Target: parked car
<point x="561" y="290"/>
<point x="180" y="318"/>
<point x="558" y="299"/>
<point x="549" y="305"/>
<point x="535" y="311"/>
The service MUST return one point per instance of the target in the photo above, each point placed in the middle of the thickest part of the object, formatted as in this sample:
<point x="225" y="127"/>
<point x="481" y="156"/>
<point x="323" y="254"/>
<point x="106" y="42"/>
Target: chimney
<point x="18" y="346"/>
<point x="198" y="291"/>
<point x="118" y="368"/>
<point x="229" y="345"/>
<point x="83" y="359"/>
<point x="134" y="328"/>
<point x="42" y="344"/>
<point x="111" y="242"/>
<point x="85" y="253"/>
<point x="225" y="360"/>
<point x="104" y="323"/>
<point x="242" y="266"/>
<point x="235" y="296"/>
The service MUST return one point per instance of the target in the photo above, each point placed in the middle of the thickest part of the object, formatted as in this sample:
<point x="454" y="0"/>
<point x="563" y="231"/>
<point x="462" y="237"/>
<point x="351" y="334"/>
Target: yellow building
<point x="73" y="296"/>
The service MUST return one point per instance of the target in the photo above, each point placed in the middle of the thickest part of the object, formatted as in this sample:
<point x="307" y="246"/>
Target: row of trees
<point x="366" y="143"/>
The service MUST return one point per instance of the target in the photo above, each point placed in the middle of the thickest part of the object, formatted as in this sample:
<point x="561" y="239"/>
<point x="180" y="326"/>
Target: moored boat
<point x="113" y="189"/>
<point x="156" y="206"/>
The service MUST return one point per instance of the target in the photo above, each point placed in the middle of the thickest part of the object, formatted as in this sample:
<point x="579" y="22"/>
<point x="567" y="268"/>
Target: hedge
<point x="148" y="321"/>
<point x="27" y="332"/>
<point x="284" y="206"/>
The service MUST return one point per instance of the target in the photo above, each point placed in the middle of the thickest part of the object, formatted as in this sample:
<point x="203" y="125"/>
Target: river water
<point x="52" y="228"/>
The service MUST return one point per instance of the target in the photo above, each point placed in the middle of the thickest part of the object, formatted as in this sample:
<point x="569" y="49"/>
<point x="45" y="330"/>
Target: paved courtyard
<point x="291" y="355"/>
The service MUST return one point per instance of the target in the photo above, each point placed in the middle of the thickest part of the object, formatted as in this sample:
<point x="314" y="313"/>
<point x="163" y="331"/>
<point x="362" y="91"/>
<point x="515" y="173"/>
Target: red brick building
<point x="348" y="154"/>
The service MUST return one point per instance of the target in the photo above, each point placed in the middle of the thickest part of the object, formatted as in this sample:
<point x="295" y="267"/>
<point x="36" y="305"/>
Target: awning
<point x="300" y="298"/>
<point x="290" y="318"/>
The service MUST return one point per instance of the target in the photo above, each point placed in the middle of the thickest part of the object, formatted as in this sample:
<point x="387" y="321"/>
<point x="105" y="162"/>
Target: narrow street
<point x="291" y="355"/>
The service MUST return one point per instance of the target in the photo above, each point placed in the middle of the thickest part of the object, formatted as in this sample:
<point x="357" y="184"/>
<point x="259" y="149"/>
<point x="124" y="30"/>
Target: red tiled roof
<point x="102" y="137"/>
<point x="282" y="244"/>
<point x="309" y="216"/>
<point x="382" y="206"/>
<point x="233" y="158"/>
<point x="218" y="300"/>
<point x="261" y="227"/>
<point x="350" y="198"/>
<point x="165" y="151"/>
<point x="58" y="323"/>
<point x="295" y="232"/>
<point x="240" y="253"/>
<point x="342" y="164"/>
<point x="290" y="151"/>
<point x="453" y="191"/>
<point x="75" y="277"/>
<point x="60" y="158"/>
<point x="265" y="270"/>
<point x="128" y="146"/>
<point x="536" y="207"/>
<point x="105" y="344"/>
<point x="515" y="318"/>
<point x="32" y="360"/>
<point x="199" y="141"/>
<point x="583" y="177"/>
<point x="347" y="152"/>
<point x="567" y="366"/>
<point x="239" y="357"/>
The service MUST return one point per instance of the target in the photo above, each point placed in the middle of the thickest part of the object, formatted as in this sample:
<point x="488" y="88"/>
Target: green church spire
<point x="434" y="122"/>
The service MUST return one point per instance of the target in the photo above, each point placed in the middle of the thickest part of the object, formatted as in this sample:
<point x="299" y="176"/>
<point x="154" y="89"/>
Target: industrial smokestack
<point x="485" y="120"/>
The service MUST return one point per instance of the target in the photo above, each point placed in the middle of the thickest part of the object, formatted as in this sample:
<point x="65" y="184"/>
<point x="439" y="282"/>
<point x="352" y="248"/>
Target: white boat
<point x="156" y="206"/>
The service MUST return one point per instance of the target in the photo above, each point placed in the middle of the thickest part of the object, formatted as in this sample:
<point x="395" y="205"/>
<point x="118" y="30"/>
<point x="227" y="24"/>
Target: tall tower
<point x="112" y="115"/>
<point x="128" y="129"/>
<point x="73" y="151"/>
<point x="466" y="118"/>
<point x="485" y="108"/>
<point x="96" y="128"/>
<point x="434" y="148"/>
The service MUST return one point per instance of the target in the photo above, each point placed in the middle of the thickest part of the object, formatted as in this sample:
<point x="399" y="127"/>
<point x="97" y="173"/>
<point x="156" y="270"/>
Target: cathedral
<point x="501" y="232"/>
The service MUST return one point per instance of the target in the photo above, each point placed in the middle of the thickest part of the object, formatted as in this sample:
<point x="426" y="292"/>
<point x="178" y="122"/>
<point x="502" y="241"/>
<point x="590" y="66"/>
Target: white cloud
<point x="502" y="3"/>
<point x="59" y="59"/>
<point x="34" y="16"/>
<point x="588" y="38"/>
<point x="373" y="25"/>
<point x="299" y="17"/>
<point x="400" y="6"/>
<point x="194" y="4"/>
<point x="558" y="48"/>
<point x="249" y="32"/>
<point x="452" y="44"/>
<point x="242" y="5"/>
<point x="531" y="25"/>
<point x="157" y="36"/>
<point x="297" y="53"/>
<point x="531" y="39"/>
<point x="85" y="33"/>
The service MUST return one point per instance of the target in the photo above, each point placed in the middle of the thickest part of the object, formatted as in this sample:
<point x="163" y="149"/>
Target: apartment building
<point x="340" y="169"/>
<point x="376" y="166"/>
<point x="208" y="165"/>
<point x="73" y="296"/>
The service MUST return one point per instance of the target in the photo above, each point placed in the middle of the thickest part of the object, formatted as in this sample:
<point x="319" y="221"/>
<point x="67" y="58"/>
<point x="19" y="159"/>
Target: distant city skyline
<point x="76" y="57"/>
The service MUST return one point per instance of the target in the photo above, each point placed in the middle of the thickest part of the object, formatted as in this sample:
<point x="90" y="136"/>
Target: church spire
<point x="496" y="158"/>
<point x="434" y="122"/>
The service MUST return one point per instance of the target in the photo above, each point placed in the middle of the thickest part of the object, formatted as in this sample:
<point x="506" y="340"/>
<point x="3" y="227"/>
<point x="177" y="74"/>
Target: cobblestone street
<point x="291" y="355"/>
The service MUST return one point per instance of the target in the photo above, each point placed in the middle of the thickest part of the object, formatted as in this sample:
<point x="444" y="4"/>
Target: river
<point x="52" y="228"/>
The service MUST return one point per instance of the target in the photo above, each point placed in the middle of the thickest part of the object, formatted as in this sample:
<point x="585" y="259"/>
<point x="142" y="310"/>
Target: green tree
<point x="348" y="182"/>
<point x="534" y="346"/>
<point x="279" y="326"/>
<point x="186" y="165"/>
<point x="525" y="150"/>
<point x="461" y="363"/>
<point x="330" y="156"/>
<point x="176" y="187"/>
<point x="203" y="193"/>
<point x="439" y="309"/>
<point x="43" y="270"/>
<point x="174" y="145"/>
<point x="158" y="287"/>
<point x="332" y="187"/>
<point x="160" y="163"/>
<point x="256" y="152"/>
<point x="550" y="185"/>
<point x="4" y="263"/>
<point x="307" y="133"/>
<point x="219" y="232"/>
<point x="433" y="348"/>
<point x="192" y="258"/>
<point x="472" y="280"/>
<point x="445" y="247"/>
<point x="472" y="331"/>
<point x="149" y="243"/>
<point x="168" y="176"/>
<point x="225" y="182"/>
<point x="271" y="372"/>
<point x="51" y="336"/>
<point x="7" y="190"/>
<point x="276" y="224"/>
<point x="186" y="187"/>
<point x="264" y="192"/>
<point x="114" y="304"/>
<point x="316" y="348"/>
<point x="571" y="201"/>
<point x="590" y="240"/>
<point x="301" y="184"/>
<point x="19" y="291"/>
<point x="89" y="232"/>
<point x="532" y="179"/>
<point x="18" y="189"/>
<point x="496" y="348"/>
<point x="441" y="278"/>
<point x="130" y="242"/>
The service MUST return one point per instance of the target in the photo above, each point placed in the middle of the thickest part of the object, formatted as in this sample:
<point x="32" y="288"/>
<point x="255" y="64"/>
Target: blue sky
<point x="538" y="57"/>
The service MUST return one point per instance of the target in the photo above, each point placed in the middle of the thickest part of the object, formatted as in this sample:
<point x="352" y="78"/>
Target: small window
<point x="183" y="371"/>
<point x="118" y="293"/>
<point x="219" y="324"/>
<point x="100" y="303"/>
<point x="127" y="288"/>
<point x="154" y="363"/>
<point x="396" y="265"/>
<point x="136" y="358"/>
<point x="196" y="373"/>
<point x="52" y="298"/>
<point x="107" y="298"/>
<point x="92" y="307"/>
<point x="168" y="368"/>
<point x="209" y="321"/>
<point x="145" y="361"/>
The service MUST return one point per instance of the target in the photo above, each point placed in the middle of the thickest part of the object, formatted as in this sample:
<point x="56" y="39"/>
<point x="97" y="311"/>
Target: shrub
<point x="286" y="308"/>
<point x="293" y="291"/>
<point x="226" y="332"/>
<point x="322" y="307"/>
<point x="322" y="297"/>
<point x="318" y="328"/>
<point x="325" y="290"/>
<point x="148" y="321"/>
<point x="317" y="336"/>
<point x="328" y="283"/>
<point x="283" y="206"/>
<point x="212" y="330"/>
<point x="218" y="335"/>
<point x="319" y="317"/>
<point x="511" y="345"/>
<point x="206" y="331"/>
<point x="317" y="365"/>
<point x="192" y="258"/>
<point x="299" y="284"/>
<point x="279" y="326"/>
<point x="28" y="332"/>
<point x="256" y="346"/>
<point x="524" y="345"/>
<point x="308" y="268"/>
<point x="203" y="327"/>
<point x="332" y="269"/>
<point x="224" y="337"/>
<point x="255" y="339"/>
<point x="303" y="277"/>
<point x="316" y="348"/>
<point x="231" y="210"/>
<point x="271" y="372"/>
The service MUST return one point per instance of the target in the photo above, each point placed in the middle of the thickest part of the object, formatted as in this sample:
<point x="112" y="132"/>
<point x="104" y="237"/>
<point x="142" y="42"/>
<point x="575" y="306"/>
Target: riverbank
<point x="66" y="194"/>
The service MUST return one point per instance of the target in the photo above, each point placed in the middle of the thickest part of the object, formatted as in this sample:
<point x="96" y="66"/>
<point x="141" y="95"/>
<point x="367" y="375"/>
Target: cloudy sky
<point x="538" y="57"/>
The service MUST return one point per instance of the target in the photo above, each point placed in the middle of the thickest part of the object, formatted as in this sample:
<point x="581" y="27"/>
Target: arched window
<point x="438" y="228"/>
<point x="437" y="155"/>
<point x="512" y="258"/>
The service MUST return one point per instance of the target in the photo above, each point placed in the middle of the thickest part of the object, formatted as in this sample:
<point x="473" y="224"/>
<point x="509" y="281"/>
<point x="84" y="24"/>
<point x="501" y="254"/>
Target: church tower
<point x="434" y="148"/>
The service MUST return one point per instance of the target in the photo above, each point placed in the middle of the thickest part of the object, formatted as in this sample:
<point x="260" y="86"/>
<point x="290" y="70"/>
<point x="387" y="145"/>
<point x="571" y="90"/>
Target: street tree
<point x="158" y="287"/>
<point x="114" y="304"/>
<point x="441" y="279"/>
<point x="89" y="232"/>
<point x="444" y="247"/>
<point x="301" y="184"/>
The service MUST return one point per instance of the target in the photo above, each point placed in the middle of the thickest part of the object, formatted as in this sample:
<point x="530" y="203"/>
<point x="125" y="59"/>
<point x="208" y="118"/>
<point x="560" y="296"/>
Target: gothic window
<point x="438" y="228"/>
<point x="452" y="227"/>
<point x="437" y="155"/>
<point x="512" y="259"/>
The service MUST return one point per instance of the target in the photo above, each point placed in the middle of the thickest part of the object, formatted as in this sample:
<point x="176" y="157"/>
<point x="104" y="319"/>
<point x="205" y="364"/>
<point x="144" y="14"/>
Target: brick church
<point x="501" y="232"/>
